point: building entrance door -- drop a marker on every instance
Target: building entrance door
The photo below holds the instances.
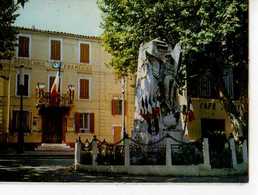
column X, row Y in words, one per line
column 53, row 122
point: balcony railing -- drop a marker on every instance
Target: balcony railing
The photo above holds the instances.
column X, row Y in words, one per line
column 45, row 98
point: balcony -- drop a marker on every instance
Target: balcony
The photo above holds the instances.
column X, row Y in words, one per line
column 60, row 100
column 45, row 99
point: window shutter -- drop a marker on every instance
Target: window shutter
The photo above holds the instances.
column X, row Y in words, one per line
column 77, row 122
column 92, row 122
column 26, row 85
column 55, row 50
column 84, row 53
column 15, row 120
column 125, row 107
column 113, row 107
column 23, row 46
column 84, row 89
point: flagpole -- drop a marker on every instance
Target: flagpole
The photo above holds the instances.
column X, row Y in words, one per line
column 59, row 77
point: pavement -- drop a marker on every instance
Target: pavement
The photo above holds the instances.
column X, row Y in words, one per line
column 39, row 166
column 54, row 169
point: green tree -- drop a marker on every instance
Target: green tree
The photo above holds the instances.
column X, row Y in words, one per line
column 8, row 15
column 212, row 33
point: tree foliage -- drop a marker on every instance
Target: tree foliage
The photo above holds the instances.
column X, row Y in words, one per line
column 8, row 15
column 212, row 33
column 210, row 29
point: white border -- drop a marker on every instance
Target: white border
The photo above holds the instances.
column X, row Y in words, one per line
column 79, row 52
column 17, row 47
column 90, row 88
column 16, row 87
column 49, row 49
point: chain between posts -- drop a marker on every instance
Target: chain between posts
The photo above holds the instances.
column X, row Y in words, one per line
column 104, row 142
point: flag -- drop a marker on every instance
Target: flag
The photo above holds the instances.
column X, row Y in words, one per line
column 55, row 86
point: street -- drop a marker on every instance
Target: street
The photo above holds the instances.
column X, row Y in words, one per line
column 61, row 170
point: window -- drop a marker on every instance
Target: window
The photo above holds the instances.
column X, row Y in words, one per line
column 26, row 85
column 84, row 89
column 55, row 49
column 84, row 53
column 84, row 122
column 116, row 106
column 26, row 118
column 24, row 46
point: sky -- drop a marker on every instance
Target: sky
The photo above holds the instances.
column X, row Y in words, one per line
column 72, row 16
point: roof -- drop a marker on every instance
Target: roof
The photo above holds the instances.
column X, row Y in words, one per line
column 95, row 38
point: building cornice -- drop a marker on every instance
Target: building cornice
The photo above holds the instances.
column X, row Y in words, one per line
column 58, row 33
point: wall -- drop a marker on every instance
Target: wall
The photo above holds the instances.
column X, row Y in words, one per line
column 203, row 108
column 104, row 85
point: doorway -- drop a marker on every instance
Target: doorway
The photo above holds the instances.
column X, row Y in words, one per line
column 53, row 125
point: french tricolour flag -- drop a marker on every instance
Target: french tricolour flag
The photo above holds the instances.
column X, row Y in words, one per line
column 55, row 86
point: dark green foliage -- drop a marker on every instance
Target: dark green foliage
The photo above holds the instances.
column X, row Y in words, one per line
column 212, row 33
column 8, row 14
column 209, row 30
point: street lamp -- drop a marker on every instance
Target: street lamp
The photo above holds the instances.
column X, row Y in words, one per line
column 123, row 106
column 20, row 146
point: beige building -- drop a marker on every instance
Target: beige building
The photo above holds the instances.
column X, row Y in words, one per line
column 90, row 93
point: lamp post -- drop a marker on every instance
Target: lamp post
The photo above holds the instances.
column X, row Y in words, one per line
column 20, row 145
column 123, row 106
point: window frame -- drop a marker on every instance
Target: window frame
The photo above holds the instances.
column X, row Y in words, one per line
column 79, row 52
column 49, row 49
column 119, row 100
column 90, row 88
column 16, row 85
column 29, row 119
column 17, row 48
column 83, row 129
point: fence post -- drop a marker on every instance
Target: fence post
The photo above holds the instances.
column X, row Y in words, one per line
column 206, row 153
column 233, row 152
column 168, row 152
column 77, row 154
column 245, row 153
column 94, row 151
column 127, row 152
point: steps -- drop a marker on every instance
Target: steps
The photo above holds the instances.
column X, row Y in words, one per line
column 49, row 147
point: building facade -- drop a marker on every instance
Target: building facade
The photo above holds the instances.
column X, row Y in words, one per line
column 89, row 101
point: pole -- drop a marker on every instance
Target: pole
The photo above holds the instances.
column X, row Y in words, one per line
column 20, row 148
column 59, row 84
column 123, row 107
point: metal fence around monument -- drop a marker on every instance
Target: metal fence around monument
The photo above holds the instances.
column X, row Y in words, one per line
column 110, row 154
column 152, row 153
